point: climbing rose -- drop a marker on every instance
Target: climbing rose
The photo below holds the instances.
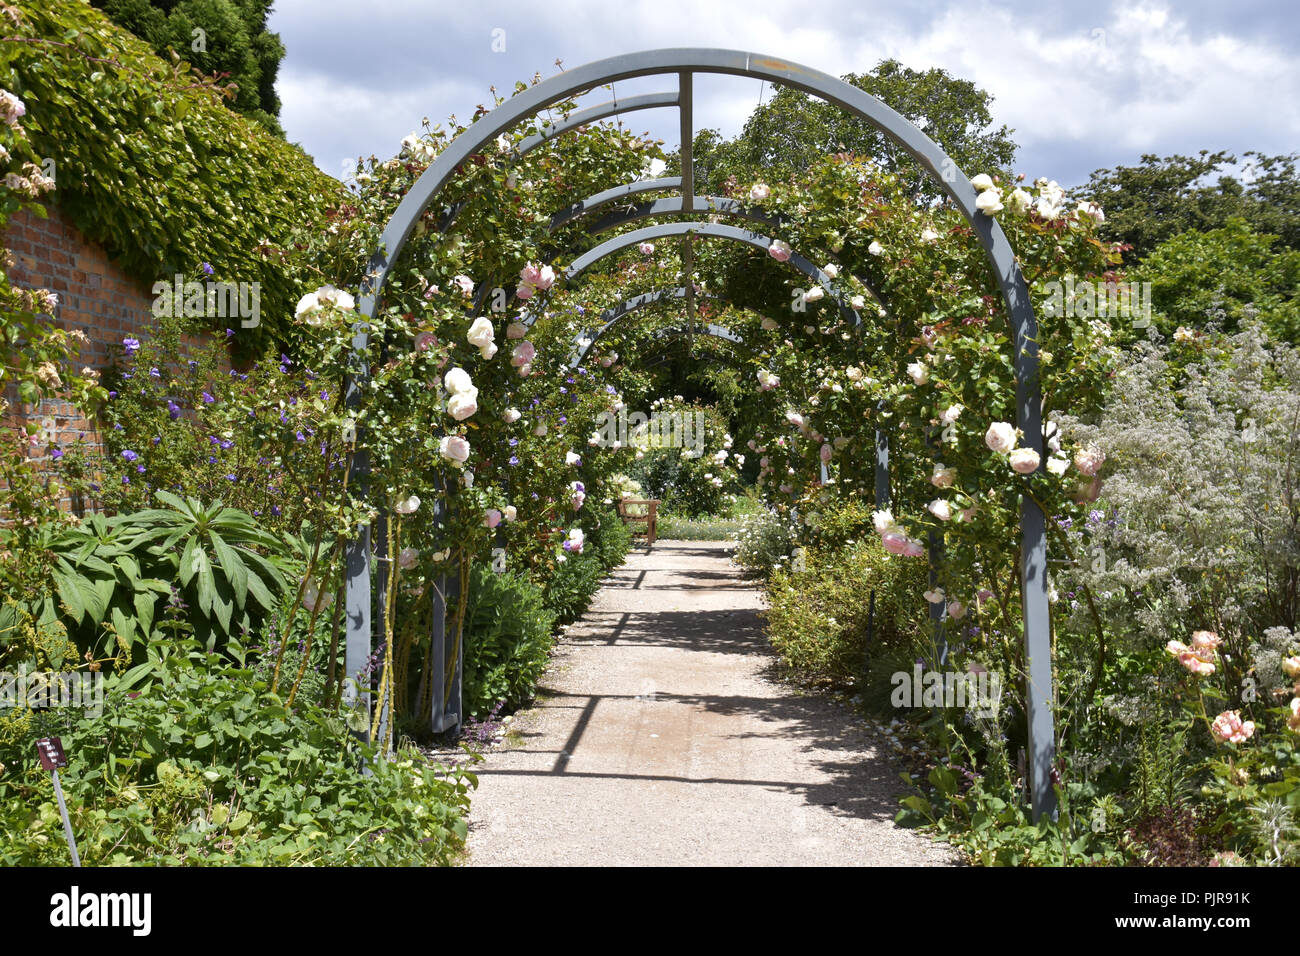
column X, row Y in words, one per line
column 328, row 295
column 424, row 341
column 928, row 235
column 1293, row 718
column 572, row 459
column 1000, row 437
column 1291, row 666
column 491, row 518
column 831, row 270
column 406, row 558
column 858, row 302
column 1199, row 661
column 454, row 448
column 875, row 248
column 1057, row 465
column 779, row 250
column 457, row 380
column 913, row 548
column 465, row 283
column 12, row 109
column 1228, row 727
column 943, row 476
column 894, row 542
column 516, row 330
column 534, row 279
column 759, row 192
column 523, row 354
column 481, row 334
column 956, row 610
column 766, row 380
column 462, row 405
column 313, row 599
column 511, row 415
column 935, row 596
column 825, row 453
column 1091, row 209
column 1024, row 461
column 769, row 324
column 815, row 294
column 1089, row 461
column 989, row 202
column 951, row 414
column 574, row 541
column 1019, row 201
column 647, row 248
column 982, row 182
column 407, row 505
column 941, row 509
column 920, row 374
column 795, row 419
column 510, row 513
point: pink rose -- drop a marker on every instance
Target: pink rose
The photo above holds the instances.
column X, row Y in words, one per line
column 1228, row 727
column 894, row 542
column 1088, row 461
column 1024, row 461
column 523, row 354
column 825, row 453
column 779, row 250
column 491, row 518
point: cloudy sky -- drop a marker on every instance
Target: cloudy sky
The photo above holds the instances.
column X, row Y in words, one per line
column 1083, row 85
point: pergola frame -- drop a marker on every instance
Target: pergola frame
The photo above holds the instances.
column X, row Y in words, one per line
column 684, row 63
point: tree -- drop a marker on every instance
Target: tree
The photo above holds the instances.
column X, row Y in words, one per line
column 223, row 37
column 1161, row 198
column 1217, row 276
column 790, row 132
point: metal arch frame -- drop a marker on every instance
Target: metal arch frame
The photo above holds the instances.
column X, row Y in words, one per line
column 685, row 62
column 711, row 230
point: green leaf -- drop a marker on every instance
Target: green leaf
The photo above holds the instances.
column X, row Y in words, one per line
column 233, row 567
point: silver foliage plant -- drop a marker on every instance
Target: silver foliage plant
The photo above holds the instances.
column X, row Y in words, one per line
column 1197, row 526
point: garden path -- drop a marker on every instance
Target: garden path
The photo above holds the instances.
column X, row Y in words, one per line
column 661, row 737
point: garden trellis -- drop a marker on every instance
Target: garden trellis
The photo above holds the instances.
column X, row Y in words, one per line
column 684, row 64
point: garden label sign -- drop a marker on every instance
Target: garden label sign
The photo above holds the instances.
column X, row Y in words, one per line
column 52, row 757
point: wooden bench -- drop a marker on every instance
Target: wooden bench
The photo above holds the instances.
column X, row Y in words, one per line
column 648, row 518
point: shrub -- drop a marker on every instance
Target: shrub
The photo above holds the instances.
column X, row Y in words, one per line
column 507, row 640
column 765, row 539
column 204, row 766
column 821, row 619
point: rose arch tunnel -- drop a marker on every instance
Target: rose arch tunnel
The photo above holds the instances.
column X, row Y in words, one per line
column 681, row 66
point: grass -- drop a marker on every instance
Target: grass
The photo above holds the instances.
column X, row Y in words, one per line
column 723, row 527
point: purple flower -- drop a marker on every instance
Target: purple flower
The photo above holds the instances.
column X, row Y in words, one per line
column 514, row 442
column 131, row 345
column 231, row 478
column 157, row 440
column 140, row 469
column 212, row 459
column 230, row 333
column 192, row 364
column 56, row 453
column 129, row 455
column 207, row 268
column 173, row 410
column 564, row 419
column 112, row 394
column 208, row 399
column 514, row 460
column 275, row 510
column 300, row 436
column 126, row 480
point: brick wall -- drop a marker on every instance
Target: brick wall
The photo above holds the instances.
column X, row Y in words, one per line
column 95, row 296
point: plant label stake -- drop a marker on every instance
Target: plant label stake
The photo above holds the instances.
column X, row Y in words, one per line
column 50, row 750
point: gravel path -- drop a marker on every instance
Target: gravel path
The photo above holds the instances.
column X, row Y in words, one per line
column 659, row 738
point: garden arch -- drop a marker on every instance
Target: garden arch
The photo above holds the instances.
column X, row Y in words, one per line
column 684, row 63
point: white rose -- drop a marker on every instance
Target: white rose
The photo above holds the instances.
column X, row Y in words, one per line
column 759, row 192
column 457, row 380
column 941, row 509
column 920, row 374
column 831, row 270
column 462, row 405
column 1001, row 437
column 982, row 182
column 815, row 294
column 1024, row 461
column 990, row 202
column 875, row 248
column 858, row 302
column 481, row 334
column 511, row 415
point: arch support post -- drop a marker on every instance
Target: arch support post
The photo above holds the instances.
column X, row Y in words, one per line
column 1039, row 688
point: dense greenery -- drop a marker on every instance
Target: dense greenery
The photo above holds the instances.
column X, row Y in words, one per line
column 227, row 39
column 150, row 163
column 1161, row 197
